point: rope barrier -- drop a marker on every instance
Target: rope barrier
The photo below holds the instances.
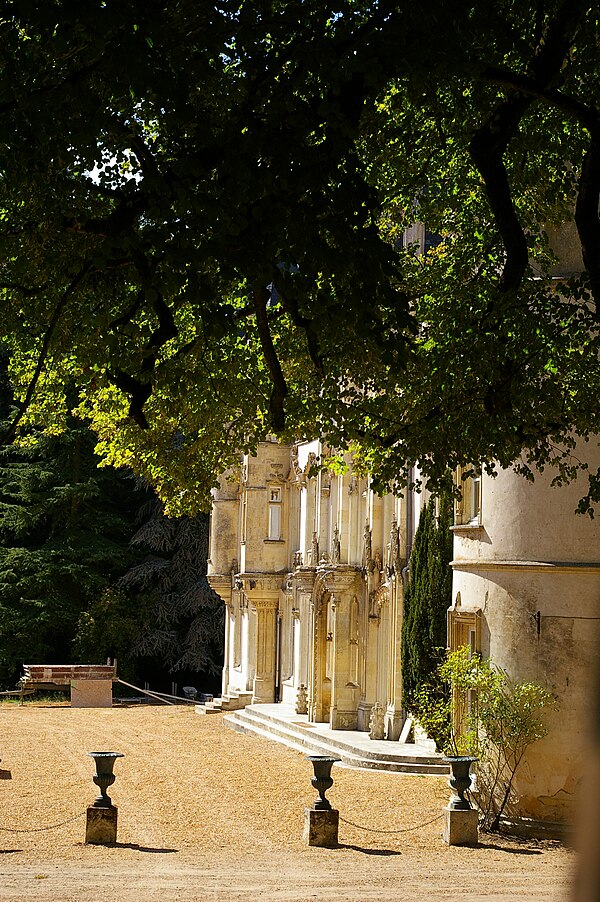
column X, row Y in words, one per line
column 42, row 829
column 403, row 830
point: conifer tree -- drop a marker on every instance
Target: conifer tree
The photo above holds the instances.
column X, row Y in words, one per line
column 427, row 597
column 181, row 617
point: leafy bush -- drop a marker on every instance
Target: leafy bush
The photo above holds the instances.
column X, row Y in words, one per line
column 472, row 708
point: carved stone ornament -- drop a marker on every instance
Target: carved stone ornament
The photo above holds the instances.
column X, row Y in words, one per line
column 335, row 547
column 394, row 543
column 377, row 722
column 314, row 553
column 373, row 606
column 297, row 561
column 325, row 482
column 377, row 599
column 294, row 464
column 353, row 486
column 311, row 463
column 302, row 700
column 367, row 550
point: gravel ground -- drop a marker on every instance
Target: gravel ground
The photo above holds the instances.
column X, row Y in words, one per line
column 208, row 814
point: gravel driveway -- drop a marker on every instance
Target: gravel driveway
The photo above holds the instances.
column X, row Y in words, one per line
column 208, row 814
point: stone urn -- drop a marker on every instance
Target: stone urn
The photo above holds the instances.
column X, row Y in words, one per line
column 322, row 780
column 460, row 780
column 105, row 761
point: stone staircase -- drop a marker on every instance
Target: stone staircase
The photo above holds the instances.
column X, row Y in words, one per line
column 280, row 723
column 233, row 701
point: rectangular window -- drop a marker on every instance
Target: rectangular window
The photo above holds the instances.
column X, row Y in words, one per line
column 467, row 511
column 274, row 530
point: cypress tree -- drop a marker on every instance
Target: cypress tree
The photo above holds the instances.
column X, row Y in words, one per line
column 427, row 597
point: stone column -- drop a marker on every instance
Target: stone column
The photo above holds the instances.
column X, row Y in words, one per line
column 303, row 580
column 345, row 692
column 370, row 658
column 221, row 584
column 263, row 593
column 394, row 716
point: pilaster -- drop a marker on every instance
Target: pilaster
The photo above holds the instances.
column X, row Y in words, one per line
column 263, row 592
column 345, row 691
column 394, row 715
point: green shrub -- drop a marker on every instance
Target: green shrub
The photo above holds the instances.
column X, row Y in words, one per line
column 472, row 708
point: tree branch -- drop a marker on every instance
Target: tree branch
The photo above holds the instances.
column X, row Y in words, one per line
column 588, row 116
column 586, row 213
column 279, row 391
column 290, row 306
column 490, row 142
column 139, row 393
column 10, row 432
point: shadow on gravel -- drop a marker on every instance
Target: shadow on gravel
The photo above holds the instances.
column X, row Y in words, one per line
column 5, row 774
column 510, row 849
column 138, row 848
column 9, row 851
column 369, row 851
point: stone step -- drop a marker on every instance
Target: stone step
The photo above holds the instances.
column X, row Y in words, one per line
column 298, row 737
column 410, row 752
column 233, row 701
column 245, row 697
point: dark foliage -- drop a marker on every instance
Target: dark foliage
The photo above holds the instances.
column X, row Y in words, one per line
column 181, row 617
column 426, row 599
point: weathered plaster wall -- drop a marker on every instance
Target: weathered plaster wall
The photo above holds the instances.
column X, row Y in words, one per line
column 533, row 569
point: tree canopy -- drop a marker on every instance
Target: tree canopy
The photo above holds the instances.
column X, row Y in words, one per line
column 204, row 210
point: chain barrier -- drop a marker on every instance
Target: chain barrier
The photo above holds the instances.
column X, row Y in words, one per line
column 42, row 829
column 403, row 830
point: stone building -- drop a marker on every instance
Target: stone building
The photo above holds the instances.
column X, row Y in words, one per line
column 310, row 567
column 526, row 593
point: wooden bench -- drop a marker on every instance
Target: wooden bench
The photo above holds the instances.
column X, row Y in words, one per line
column 90, row 684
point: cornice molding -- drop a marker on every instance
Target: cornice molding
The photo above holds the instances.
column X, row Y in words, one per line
column 482, row 565
column 256, row 584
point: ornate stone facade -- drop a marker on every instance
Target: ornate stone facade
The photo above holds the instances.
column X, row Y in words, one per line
column 310, row 570
column 317, row 598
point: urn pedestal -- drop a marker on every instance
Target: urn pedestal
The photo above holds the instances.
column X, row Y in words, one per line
column 101, row 822
column 321, row 821
column 321, row 828
column 101, row 826
column 460, row 823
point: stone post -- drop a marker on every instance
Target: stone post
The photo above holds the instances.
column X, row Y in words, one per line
column 460, row 828
column 101, row 825
column 321, row 828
